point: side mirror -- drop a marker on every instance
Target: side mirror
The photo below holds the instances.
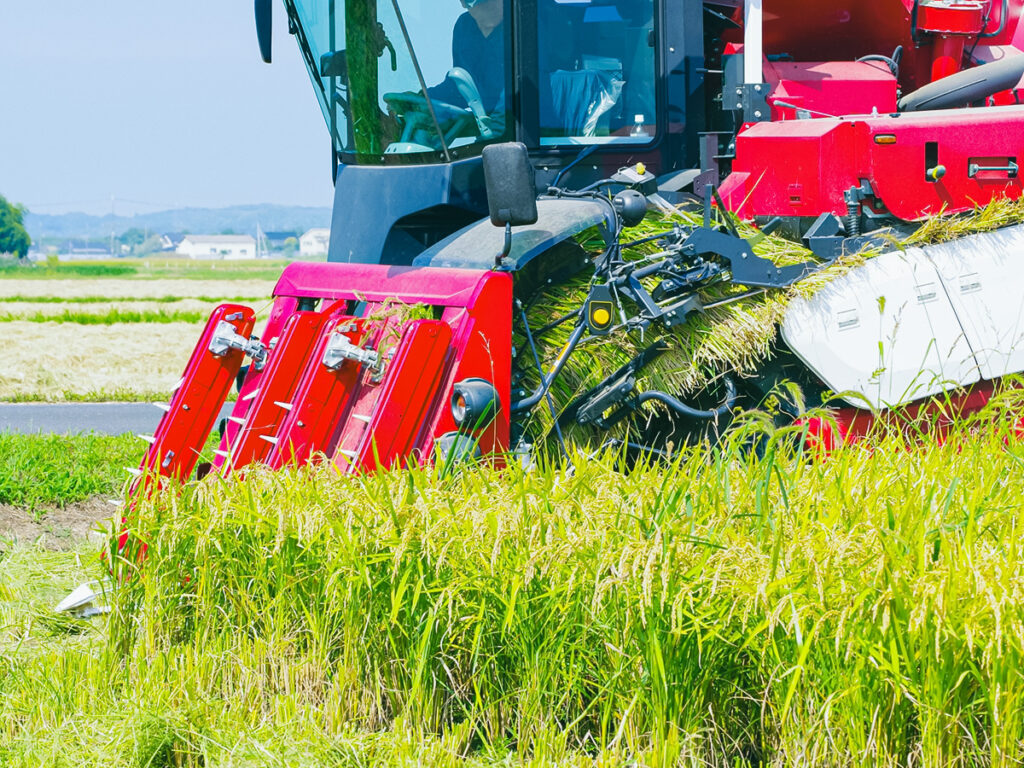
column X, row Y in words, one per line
column 511, row 185
column 334, row 64
column 264, row 27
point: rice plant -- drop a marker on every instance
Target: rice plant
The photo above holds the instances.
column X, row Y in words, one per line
column 729, row 608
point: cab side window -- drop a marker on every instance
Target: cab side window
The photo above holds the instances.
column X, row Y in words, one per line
column 597, row 71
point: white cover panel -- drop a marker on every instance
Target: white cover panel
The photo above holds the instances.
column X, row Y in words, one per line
column 984, row 278
column 885, row 331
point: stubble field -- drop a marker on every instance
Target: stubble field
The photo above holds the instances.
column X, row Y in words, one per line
column 92, row 332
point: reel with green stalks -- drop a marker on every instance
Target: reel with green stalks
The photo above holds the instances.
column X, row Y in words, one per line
column 655, row 374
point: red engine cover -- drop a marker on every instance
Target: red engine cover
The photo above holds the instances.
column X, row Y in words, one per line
column 803, row 167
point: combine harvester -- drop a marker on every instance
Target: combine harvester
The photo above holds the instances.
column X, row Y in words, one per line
column 472, row 142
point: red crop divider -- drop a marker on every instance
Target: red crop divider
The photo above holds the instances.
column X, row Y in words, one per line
column 322, row 399
column 278, row 382
column 407, row 398
column 196, row 404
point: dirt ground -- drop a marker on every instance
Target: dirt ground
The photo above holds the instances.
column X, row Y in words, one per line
column 59, row 529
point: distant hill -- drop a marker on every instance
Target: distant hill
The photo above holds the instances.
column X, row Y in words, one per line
column 242, row 219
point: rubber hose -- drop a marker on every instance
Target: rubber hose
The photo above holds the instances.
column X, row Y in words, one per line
column 966, row 87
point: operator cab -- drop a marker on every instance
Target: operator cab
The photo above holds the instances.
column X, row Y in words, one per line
column 427, row 84
column 417, row 81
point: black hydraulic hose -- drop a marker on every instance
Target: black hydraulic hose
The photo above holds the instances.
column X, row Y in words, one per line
column 682, row 408
column 547, row 394
column 560, row 321
column 1003, row 19
column 545, row 385
column 890, row 61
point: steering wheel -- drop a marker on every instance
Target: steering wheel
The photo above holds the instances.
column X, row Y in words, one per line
column 418, row 126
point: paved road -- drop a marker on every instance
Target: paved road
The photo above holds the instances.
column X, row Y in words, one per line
column 71, row 418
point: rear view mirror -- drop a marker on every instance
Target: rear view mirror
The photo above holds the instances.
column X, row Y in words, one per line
column 511, row 186
column 264, row 27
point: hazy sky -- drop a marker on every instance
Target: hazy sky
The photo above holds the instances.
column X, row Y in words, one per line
column 158, row 104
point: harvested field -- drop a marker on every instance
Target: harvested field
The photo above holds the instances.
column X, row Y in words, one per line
column 133, row 289
column 51, row 359
column 33, row 309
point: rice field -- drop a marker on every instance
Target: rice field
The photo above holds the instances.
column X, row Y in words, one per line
column 731, row 607
column 112, row 337
column 746, row 605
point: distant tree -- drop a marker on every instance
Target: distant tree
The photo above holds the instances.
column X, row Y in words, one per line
column 291, row 246
column 228, row 231
column 132, row 237
column 13, row 235
column 153, row 244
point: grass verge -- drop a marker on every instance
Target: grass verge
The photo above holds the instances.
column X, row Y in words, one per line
column 42, row 471
column 733, row 607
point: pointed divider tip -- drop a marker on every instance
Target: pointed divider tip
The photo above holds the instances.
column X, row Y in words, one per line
column 165, row 407
column 269, row 439
column 286, row 406
column 148, row 438
column 252, row 395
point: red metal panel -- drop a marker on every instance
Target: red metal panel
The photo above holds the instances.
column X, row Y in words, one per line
column 832, row 88
column 482, row 344
column 322, row 399
column 378, row 283
column 802, row 167
column 207, row 380
column 277, row 385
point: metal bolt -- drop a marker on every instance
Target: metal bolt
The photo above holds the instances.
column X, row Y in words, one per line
column 757, row 113
column 757, row 88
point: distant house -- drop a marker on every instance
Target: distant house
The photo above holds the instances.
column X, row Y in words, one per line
column 276, row 240
column 170, row 242
column 315, row 242
column 218, row 247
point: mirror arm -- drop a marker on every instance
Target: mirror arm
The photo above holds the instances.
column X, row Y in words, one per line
column 507, row 249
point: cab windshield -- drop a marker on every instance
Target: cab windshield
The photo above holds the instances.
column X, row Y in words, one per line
column 424, row 79
column 428, row 80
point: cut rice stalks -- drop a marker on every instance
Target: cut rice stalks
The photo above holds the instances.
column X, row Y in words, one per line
column 737, row 337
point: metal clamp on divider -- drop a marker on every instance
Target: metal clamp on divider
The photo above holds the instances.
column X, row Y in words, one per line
column 339, row 349
column 225, row 338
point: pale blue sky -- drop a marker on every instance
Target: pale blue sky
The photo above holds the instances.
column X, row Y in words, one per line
column 166, row 104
